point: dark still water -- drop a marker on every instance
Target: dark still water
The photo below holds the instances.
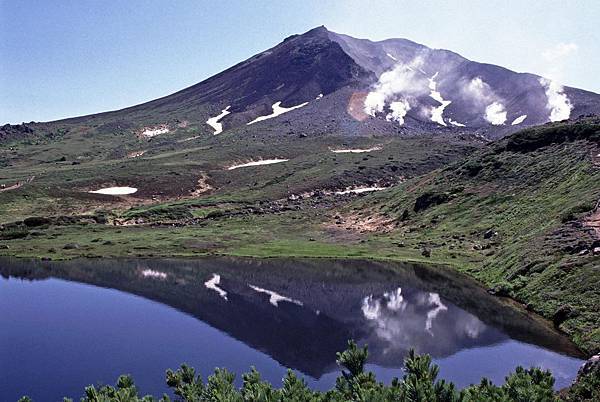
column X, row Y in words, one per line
column 66, row 325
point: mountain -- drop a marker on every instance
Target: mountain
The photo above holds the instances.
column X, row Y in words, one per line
column 326, row 310
column 326, row 147
column 334, row 82
column 413, row 72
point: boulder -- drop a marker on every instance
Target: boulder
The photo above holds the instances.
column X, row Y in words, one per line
column 489, row 234
column 591, row 365
column 429, row 199
column 71, row 246
column 564, row 313
column 36, row 221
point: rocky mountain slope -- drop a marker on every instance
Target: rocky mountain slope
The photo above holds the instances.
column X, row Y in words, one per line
column 328, row 82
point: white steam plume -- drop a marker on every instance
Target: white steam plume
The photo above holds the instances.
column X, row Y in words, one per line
column 483, row 94
column 374, row 103
column 396, row 85
column 559, row 52
column 495, row 114
column 399, row 110
column 558, row 103
column 479, row 90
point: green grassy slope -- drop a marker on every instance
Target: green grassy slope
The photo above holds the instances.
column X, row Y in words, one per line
column 525, row 207
column 517, row 215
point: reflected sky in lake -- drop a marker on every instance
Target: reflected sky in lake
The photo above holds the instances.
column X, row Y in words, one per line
column 65, row 325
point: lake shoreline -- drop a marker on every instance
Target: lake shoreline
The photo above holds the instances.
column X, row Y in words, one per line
column 450, row 269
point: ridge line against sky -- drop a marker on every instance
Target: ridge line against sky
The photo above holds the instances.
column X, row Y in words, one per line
column 70, row 58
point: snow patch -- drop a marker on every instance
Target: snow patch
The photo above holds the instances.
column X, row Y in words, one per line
column 150, row 273
column 257, row 163
column 355, row 150
column 213, row 284
column 391, row 57
column 437, row 113
column 519, row 120
column 359, row 190
column 275, row 297
column 115, row 191
column 319, row 96
column 150, row 132
column 455, row 123
column 214, row 121
column 277, row 111
column 495, row 113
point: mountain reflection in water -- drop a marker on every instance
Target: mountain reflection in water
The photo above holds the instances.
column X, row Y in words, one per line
column 301, row 312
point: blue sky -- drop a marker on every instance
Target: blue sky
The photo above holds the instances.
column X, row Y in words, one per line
column 68, row 58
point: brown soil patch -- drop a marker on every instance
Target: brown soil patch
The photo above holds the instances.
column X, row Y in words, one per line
column 202, row 187
column 355, row 224
column 136, row 154
column 356, row 106
column 17, row 185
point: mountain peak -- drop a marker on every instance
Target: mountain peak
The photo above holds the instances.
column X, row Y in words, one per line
column 438, row 90
column 320, row 32
column 319, row 29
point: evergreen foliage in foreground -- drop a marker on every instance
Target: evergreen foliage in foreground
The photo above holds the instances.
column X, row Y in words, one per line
column 419, row 383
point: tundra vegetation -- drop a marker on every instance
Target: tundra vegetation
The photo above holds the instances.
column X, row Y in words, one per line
column 519, row 214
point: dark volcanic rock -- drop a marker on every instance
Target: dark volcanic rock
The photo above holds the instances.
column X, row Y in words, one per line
column 36, row 221
column 72, row 246
column 429, row 199
column 564, row 313
column 590, row 366
column 489, row 234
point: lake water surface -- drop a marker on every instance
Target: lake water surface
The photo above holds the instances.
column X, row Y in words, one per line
column 66, row 325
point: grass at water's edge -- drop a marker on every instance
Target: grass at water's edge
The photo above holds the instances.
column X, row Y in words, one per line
column 241, row 237
column 513, row 215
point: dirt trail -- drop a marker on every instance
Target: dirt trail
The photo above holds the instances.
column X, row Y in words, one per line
column 17, row 185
